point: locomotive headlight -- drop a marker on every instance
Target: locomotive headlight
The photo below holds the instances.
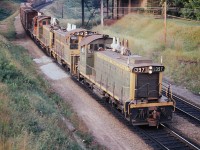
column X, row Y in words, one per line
column 150, row 69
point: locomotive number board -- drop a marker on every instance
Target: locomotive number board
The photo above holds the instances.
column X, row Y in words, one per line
column 148, row 69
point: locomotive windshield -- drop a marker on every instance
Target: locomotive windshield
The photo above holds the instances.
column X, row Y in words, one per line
column 74, row 42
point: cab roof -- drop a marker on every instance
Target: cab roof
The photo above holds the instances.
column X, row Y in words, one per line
column 88, row 39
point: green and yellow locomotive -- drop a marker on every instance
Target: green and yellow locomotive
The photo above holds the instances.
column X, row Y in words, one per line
column 130, row 82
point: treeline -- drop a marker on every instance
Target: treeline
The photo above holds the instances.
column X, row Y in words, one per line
column 185, row 8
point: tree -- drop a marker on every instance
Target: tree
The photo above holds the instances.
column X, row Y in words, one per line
column 188, row 8
column 191, row 9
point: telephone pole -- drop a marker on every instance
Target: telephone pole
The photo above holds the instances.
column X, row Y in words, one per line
column 102, row 23
column 165, row 22
column 83, row 15
column 62, row 9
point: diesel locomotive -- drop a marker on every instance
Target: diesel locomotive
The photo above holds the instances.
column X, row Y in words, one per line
column 131, row 83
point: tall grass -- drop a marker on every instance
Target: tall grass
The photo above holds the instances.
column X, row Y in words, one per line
column 28, row 108
column 181, row 54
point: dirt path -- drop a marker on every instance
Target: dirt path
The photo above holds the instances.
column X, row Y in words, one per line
column 106, row 129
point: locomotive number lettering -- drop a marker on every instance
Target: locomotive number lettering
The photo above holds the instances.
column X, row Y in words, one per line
column 158, row 69
column 141, row 69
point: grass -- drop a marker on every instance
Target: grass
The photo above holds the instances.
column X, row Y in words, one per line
column 32, row 116
column 181, row 55
column 30, row 110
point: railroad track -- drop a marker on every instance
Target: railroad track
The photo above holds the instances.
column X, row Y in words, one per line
column 162, row 138
column 186, row 109
column 169, row 139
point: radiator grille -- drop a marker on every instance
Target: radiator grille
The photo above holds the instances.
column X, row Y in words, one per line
column 147, row 85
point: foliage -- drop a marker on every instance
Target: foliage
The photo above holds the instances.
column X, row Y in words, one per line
column 188, row 8
column 191, row 9
column 4, row 13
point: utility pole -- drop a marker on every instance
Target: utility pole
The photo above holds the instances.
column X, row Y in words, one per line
column 165, row 22
column 107, row 8
column 83, row 15
column 62, row 9
column 102, row 23
column 129, row 6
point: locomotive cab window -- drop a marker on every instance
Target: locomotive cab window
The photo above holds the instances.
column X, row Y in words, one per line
column 74, row 39
column 95, row 47
column 91, row 46
column 44, row 23
column 73, row 42
column 101, row 45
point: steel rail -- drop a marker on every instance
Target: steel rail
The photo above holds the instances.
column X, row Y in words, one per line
column 180, row 137
column 188, row 114
column 190, row 110
column 168, row 138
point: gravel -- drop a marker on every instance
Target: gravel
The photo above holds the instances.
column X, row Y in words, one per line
column 53, row 71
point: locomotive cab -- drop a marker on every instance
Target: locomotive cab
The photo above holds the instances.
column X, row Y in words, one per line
column 38, row 23
column 88, row 47
column 73, row 40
